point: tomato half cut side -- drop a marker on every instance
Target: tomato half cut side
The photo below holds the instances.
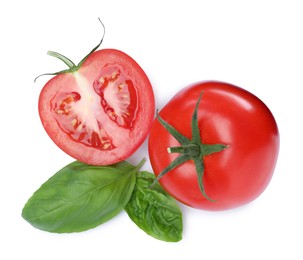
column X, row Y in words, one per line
column 101, row 113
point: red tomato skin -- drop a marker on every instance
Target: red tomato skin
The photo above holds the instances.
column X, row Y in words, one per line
column 126, row 141
column 227, row 115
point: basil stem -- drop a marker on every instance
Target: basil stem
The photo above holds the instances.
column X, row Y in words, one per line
column 80, row 197
column 154, row 211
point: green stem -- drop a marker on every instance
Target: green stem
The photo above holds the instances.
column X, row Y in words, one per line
column 192, row 150
column 175, row 149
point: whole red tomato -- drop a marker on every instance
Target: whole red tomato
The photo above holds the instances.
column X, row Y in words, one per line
column 216, row 151
column 99, row 111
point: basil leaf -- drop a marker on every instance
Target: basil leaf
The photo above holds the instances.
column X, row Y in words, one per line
column 154, row 210
column 80, row 197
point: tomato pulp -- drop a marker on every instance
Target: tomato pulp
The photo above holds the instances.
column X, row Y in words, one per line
column 228, row 116
column 101, row 112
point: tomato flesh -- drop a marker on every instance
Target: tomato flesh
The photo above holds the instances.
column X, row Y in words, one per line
column 101, row 113
column 118, row 95
column 69, row 111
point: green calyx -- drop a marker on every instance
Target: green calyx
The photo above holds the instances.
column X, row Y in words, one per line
column 72, row 67
column 190, row 149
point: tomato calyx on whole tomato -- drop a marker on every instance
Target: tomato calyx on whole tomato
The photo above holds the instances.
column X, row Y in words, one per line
column 190, row 149
column 227, row 115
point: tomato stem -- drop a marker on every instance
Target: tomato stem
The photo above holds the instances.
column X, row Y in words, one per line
column 192, row 150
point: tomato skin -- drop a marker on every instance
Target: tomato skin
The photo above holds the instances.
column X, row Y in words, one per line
column 119, row 138
column 227, row 115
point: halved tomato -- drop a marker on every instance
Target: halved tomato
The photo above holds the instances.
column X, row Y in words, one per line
column 100, row 111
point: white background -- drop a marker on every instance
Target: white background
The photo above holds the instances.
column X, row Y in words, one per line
column 257, row 45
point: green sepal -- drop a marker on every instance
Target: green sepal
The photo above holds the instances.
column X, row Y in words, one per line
column 208, row 149
column 200, row 172
column 196, row 137
column 174, row 132
column 178, row 161
column 95, row 48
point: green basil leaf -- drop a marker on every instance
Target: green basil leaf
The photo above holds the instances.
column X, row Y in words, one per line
column 154, row 210
column 80, row 197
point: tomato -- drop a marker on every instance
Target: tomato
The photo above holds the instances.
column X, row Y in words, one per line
column 100, row 111
column 216, row 151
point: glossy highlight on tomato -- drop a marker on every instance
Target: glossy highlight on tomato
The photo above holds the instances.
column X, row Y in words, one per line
column 239, row 128
column 101, row 111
